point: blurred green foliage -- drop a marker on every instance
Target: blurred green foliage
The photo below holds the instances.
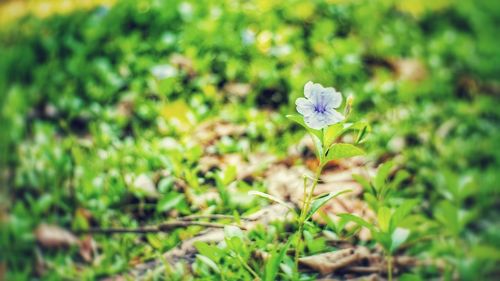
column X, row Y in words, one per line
column 83, row 114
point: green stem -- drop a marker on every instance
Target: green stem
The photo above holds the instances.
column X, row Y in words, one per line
column 299, row 245
column 247, row 267
column 221, row 274
column 305, row 210
column 301, row 227
column 389, row 268
column 311, row 192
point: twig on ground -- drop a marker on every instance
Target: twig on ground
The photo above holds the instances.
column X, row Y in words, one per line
column 164, row 227
column 364, row 269
column 212, row 217
column 329, row 262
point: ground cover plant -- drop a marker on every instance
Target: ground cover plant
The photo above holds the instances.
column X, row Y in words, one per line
column 183, row 140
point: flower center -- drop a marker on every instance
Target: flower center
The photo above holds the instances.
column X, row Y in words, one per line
column 320, row 108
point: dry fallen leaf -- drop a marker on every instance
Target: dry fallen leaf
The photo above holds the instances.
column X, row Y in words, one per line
column 239, row 90
column 409, row 69
column 40, row 265
column 125, row 107
column 145, row 184
column 248, row 169
column 51, row 236
column 88, row 248
column 183, row 63
column 208, row 132
column 202, row 200
column 286, row 183
column 330, row 262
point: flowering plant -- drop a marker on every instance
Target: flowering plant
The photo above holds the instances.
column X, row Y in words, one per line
column 325, row 125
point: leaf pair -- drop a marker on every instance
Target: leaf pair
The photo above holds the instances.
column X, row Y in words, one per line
column 389, row 234
column 334, row 131
column 321, row 200
column 210, row 255
column 323, row 140
column 317, row 203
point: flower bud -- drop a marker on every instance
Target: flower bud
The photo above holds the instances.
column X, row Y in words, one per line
column 348, row 106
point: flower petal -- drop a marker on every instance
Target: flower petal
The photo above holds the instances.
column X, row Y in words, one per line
column 316, row 121
column 304, row 106
column 307, row 89
column 318, row 95
column 334, row 98
column 313, row 89
column 333, row 117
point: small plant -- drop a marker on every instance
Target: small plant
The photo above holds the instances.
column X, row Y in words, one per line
column 234, row 250
column 325, row 125
column 388, row 231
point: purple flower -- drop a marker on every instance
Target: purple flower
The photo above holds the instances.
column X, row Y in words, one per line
column 318, row 108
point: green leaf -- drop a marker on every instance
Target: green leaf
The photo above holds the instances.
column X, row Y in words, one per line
column 332, row 133
column 322, row 200
column 487, row 252
column 316, row 135
column 401, row 175
column 237, row 245
column 154, row 241
column 398, row 237
column 384, row 218
column 363, row 181
column 166, row 184
column 231, row 231
column 229, row 175
column 336, row 130
column 234, row 239
column 270, row 197
column 320, row 152
column 169, row 201
column 371, row 200
column 343, row 150
column 382, row 175
column 210, row 263
column 384, row 239
column 410, row 277
column 300, row 120
column 358, row 220
column 402, row 212
column 448, row 214
column 273, row 263
column 360, row 125
column 361, row 135
column 212, row 252
column 191, row 177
